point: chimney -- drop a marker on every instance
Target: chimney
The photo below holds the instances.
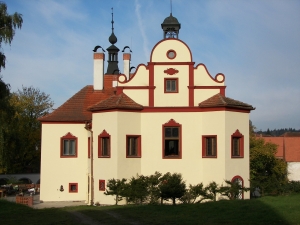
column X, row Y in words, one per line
column 98, row 70
column 126, row 63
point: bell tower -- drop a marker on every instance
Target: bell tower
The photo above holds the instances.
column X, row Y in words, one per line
column 170, row 27
column 112, row 67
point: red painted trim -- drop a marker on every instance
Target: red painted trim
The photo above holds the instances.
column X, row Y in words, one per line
column 63, row 122
column 151, row 83
column 172, row 123
column 139, row 150
column 101, row 185
column 204, row 146
column 136, row 87
column 214, row 79
column 191, row 109
column 171, row 50
column 207, row 87
column 171, row 71
column 70, row 187
column 165, row 86
column 89, row 147
column 167, row 40
column 191, row 83
column 170, row 63
column 68, row 136
column 237, row 134
column 239, row 177
column 104, row 134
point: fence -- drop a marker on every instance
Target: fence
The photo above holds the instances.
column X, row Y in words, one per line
column 27, row 200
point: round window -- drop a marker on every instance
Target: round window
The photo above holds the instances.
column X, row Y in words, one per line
column 171, row 54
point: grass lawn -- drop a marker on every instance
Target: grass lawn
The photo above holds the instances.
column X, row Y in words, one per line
column 267, row 210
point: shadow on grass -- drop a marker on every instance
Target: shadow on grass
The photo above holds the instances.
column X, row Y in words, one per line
column 268, row 210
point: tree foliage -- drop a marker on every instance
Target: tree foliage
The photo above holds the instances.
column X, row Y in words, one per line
column 266, row 171
column 8, row 25
column 22, row 135
column 116, row 187
column 172, row 187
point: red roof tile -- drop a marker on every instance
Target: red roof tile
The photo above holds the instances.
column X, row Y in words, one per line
column 76, row 108
column 292, row 149
column 121, row 101
column 278, row 141
column 291, row 134
column 219, row 100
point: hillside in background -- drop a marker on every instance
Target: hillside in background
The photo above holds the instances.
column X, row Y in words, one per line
column 278, row 132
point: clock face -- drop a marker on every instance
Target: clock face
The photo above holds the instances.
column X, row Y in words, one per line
column 171, row 54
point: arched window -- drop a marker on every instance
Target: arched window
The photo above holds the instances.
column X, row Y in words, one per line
column 239, row 183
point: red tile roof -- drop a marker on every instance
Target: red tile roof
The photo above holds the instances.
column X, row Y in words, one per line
column 288, row 147
column 121, row 101
column 76, row 108
column 291, row 134
column 219, row 100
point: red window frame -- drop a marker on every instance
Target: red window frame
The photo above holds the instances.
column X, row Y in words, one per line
column 165, row 85
column 101, row 185
column 240, row 137
column 71, row 185
column 204, row 146
column 172, row 124
column 101, row 137
column 68, row 137
column 138, row 146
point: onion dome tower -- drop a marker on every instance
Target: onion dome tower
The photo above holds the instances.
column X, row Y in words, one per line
column 112, row 67
column 170, row 27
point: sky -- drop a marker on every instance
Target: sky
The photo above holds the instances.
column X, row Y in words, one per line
column 255, row 44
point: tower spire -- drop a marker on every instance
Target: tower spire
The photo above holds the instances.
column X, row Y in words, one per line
column 112, row 20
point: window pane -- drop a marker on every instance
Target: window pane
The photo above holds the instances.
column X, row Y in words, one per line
column 175, row 132
column 66, row 147
column 72, row 147
column 171, row 147
column 132, row 146
column 105, row 146
column 168, row 85
column 236, row 146
column 173, row 87
column 211, row 146
column 168, row 132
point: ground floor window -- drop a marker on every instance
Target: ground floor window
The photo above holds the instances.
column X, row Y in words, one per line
column 73, row 187
column 101, row 185
column 171, row 140
column 133, row 146
column 240, row 183
column 209, row 146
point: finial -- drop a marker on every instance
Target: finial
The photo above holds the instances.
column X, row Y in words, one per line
column 171, row 6
column 112, row 19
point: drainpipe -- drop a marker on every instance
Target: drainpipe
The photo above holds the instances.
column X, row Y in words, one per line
column 88, row 127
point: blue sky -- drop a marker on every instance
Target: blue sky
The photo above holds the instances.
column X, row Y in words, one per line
column 256, row 44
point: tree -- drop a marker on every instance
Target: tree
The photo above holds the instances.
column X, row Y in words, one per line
column 233, row 189
column 22, row 146
column 116, row 187
column 8, row 25
column 213, row 189
column 195, row 192
column 172, row 187
column 137, row 189
column 153, row 188
column 266, row 171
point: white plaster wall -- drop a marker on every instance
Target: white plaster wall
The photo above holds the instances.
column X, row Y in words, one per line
column 294, row 171
column 140, row 96
column 202, row 78
column 141, row 77
column 56, row 171
column 171, row 99
column 238, row 166
column 160, row 52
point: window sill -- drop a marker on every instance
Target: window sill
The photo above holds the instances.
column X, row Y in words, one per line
column 237, row 157
column 210, row 157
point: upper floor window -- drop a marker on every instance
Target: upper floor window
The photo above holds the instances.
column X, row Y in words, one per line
column 68, row 146
column 171, row 85
column 237, row 145
column 172, row 140
column 209, row 146
column 104, row 145
column 133, row 146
